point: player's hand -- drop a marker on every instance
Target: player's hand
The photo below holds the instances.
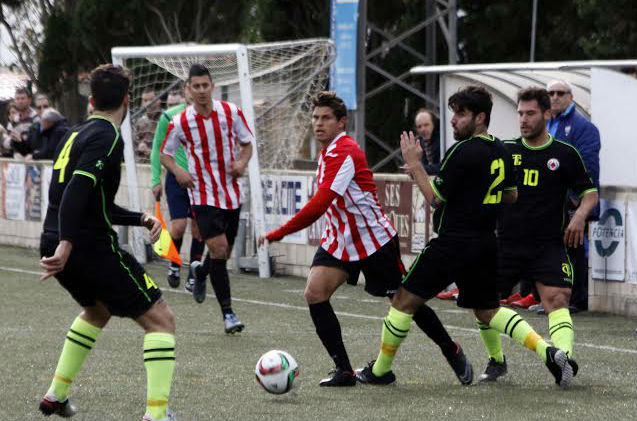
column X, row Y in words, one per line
column 153, row 225
column 237, row 169
column 56, row 263
column 184, row 179
column 411, row 149
column 574, row 234
column 157, row 192
column 261, row 240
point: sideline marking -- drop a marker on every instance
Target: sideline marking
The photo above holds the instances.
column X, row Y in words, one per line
column 339, row 313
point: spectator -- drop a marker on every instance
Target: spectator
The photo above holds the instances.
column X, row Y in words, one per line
column 13, row 117
column 43, row 136
column 53, row 128
column 26, row 115
column 175, row 98
column 569, row 125
column 41, row 104
column 146, row 124
column 429, row 137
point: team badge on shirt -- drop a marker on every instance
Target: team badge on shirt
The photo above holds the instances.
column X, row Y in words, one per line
column 553, row 164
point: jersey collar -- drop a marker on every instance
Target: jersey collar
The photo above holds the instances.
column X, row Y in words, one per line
column 332, row 144
column 101, row 117
column 536, row 148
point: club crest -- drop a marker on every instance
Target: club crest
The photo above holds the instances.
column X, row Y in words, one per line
column 553, row 164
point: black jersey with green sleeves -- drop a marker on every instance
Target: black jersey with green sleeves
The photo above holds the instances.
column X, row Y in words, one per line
column 544, row 175
column 473, row 176
column 93, row 149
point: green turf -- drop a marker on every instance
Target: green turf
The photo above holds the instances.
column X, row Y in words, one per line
column 214, row 377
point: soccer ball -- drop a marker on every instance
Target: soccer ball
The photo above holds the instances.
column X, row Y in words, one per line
column 276, row 371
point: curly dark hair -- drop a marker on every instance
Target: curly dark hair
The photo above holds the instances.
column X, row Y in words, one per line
column 330, row 99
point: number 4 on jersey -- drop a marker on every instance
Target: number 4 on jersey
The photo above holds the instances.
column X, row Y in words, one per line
column 63, row 159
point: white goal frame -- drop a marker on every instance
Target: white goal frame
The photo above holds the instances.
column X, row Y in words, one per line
column 119, row 54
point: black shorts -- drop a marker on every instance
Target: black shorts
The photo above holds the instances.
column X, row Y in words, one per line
column 214, row 221
column 546, row 262
column 177, row 198
column 471, row 264
column 96, row 271
column 383, row 270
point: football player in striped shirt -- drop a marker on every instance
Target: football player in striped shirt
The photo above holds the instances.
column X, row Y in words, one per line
column 358, row 237
column 218, row 145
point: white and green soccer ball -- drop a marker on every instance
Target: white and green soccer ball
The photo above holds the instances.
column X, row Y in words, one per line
column 276, row 371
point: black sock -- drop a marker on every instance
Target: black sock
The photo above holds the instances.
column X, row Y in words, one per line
column 196, row 250
column 220, row 283
column 329, row 330
column 428, row 321
column 177, row 242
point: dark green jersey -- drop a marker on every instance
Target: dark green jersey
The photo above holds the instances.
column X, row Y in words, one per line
column 473, row 176
column 544, row 175
column 86, row 176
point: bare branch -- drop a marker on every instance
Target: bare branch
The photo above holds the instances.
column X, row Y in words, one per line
column 162, row 21
column 16, row 48
column 150, row 37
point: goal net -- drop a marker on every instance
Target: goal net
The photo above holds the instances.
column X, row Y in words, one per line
column 272, row 82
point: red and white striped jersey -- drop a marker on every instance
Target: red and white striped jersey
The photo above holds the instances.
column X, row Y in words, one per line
column 210, row 143
column 356, row 225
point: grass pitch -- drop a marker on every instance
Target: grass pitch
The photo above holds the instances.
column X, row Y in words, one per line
column 214, row 376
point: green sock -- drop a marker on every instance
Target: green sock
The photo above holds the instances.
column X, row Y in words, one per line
column 79, row 341
column 159, row 359
column 492, row 342
column 511, row 323
column 395, row 329
column 561, row 330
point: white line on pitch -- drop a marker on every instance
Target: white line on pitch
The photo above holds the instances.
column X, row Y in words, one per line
column 340, row 313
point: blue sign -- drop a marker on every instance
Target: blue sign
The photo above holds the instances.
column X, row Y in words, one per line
column 343, row 32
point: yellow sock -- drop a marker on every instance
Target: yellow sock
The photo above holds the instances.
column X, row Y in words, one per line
column 159, row 359
column 561, row 330
column 79, row 341
column 511, row 323
column 492, row 342
column 395, row 329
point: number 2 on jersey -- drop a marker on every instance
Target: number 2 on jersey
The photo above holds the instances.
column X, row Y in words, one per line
column 63, row 159
column 497, row 165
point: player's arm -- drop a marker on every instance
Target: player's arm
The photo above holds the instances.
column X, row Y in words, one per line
column 309, row 214
column 246, row 139
column 168, row 151
column 580, row 182
column 412, row 154
column 155, row 165
column 510, row 192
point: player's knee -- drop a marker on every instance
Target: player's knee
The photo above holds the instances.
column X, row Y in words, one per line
column 313, row 294
column 485, row 316
column 559, row 299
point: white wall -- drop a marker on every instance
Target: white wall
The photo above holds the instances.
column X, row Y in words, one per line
column 614, row 112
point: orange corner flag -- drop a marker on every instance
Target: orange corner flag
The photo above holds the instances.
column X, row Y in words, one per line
column 164, row 247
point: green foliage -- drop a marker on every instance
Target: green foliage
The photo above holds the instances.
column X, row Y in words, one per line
column 279, row 20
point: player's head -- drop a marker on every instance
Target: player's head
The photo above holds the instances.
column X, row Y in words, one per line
column 471, row 108
column 534, row 109
column 200, row 84
column 109, row 88
column 561, row 95
column 425, row 122
column 329, row 116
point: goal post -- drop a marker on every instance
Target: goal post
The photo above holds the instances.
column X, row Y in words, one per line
column 271, row 82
